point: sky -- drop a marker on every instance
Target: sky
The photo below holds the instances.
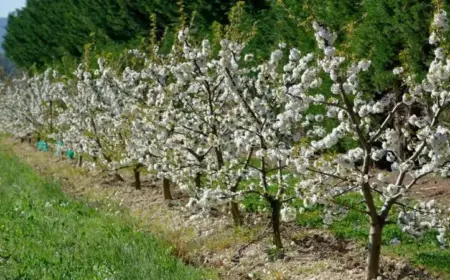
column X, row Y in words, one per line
column 8, row 6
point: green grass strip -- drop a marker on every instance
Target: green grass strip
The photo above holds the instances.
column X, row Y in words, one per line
column 46, row 235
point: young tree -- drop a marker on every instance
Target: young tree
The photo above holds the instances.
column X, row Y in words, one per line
column 152, row 119
column 264, row 124
column 30, row 105
column 95, row 122
column 327, row 175
column 204, row 119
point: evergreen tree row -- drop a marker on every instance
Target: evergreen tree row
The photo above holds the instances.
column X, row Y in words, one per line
column 46, row 32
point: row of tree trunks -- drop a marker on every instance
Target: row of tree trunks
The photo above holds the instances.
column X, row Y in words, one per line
column 137, row 174
column 165, row 184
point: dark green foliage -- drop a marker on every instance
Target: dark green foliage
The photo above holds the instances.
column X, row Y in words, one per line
column 387, row 32
column 45, row 31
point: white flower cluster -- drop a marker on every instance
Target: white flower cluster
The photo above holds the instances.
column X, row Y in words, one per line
column 423, row 217
column 440, row 24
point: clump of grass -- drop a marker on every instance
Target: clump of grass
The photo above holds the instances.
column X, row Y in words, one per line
column 46, row 235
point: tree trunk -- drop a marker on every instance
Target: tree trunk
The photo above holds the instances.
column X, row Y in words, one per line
column 234, row 207
column 373, row 260
column 276, row 217
column 51, row 116
column 80, row 161
column 398, row 123
column 137, row 179
column 198, row 180
column 236, row 214
column 166, row 189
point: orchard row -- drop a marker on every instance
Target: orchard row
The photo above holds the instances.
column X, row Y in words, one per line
column 222, row 126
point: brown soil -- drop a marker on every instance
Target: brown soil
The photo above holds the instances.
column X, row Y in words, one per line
column 208, row 238
column 430, row 187
column 433, row 188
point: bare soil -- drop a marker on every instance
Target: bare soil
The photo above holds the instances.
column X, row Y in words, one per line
column 208, row 238
column 433, row 188
column 429, row 187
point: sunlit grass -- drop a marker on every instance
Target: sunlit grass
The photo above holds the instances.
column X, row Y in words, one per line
column 46, row 235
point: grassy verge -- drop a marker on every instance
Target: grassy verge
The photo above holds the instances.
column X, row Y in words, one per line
column 46, row 235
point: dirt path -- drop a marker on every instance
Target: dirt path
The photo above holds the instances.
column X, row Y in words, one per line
column 209, row 239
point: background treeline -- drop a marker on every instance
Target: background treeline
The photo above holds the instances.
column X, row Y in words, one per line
column 45, row 31
column 55, row 33
column 6, row 66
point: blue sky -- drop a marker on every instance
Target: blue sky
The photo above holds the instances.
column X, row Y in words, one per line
column 8, row 6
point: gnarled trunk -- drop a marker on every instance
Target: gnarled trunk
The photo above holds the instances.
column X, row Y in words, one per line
column 137, row 178
column 198, row 180
column 166, row 189
column 373, row 260
column 276, row 219
column 236, row 214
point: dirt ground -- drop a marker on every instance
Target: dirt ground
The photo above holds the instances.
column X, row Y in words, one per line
column 208, row 239
column 433, row 188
